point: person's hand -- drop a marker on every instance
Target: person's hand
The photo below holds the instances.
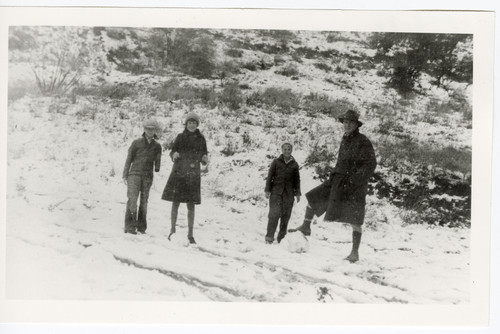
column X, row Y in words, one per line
column 298, row 198
column 204, row 159
column 268, row 194
column 125, row 180
column 175, row 156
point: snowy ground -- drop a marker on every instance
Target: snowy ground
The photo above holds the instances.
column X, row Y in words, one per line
column 65, row 240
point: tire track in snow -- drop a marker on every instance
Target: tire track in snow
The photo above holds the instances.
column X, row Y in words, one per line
column 290, row 276
column 294, row 277
column 206, row 287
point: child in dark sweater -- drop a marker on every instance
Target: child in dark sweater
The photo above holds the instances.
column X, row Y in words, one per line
column 282, row 185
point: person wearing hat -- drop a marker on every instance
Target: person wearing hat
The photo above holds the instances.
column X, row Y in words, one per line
column 342, row 198
column 144, row 155
column 183, row 185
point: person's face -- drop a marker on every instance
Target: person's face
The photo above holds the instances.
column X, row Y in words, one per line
column 349, row 126
column 150, row 132
column 287, row 151
column 191, row 125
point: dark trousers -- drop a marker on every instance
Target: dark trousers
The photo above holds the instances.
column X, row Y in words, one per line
column 280, row 209
column 137, row 185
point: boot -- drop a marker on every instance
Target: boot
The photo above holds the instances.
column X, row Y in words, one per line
column 356, row 241
column 191, row 223
column 305, row 228
column 130, row 223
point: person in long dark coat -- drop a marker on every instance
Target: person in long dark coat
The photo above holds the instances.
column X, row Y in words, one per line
column 144, row 156
column 282, row 185
column 342, row 198
column 183, row 185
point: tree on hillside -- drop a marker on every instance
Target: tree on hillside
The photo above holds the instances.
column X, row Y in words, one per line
column 443, row 56
column 192, row 52
column 22, row 38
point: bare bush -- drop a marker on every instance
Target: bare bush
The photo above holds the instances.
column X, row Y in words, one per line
column 59, row 63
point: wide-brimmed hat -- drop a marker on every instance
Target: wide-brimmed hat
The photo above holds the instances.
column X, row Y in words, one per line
column 192, row 117
column 151, row 124
column 350, row 115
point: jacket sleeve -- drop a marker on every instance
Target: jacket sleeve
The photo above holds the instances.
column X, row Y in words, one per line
column 158, row 158
column 175, row 147
column 270, row 176
column 203, row 148
column 130, row 157
column 297, row 182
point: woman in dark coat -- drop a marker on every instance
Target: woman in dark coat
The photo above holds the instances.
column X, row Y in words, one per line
column 183, row 185
column 342, row 197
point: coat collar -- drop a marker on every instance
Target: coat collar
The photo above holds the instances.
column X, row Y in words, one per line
column 155, row 137
column 352, row 134
column 186, row 131
column 282, row 158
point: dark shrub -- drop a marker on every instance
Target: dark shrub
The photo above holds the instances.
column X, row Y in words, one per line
column 433, row 196
column 231, row 96
column 127, row 60
column 116, row 33
column 284, row 100
column 323, row 66
column 289, row 70
column 235, row 53
column 117, row 91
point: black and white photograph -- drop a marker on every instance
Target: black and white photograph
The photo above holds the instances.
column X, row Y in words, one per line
column 264, row 164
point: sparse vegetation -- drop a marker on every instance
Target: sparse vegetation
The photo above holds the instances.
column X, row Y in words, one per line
column 283, row 100
column 323, row 66
column 170, row 71
column 289, row 70
column 231, row 96
column 235, row 53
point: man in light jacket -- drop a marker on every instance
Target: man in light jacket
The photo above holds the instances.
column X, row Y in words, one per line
column 144, row 156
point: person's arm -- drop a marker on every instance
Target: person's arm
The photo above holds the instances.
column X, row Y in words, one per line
column 204, row 151
column 297, row 184
column 128, row 162
column 270, row 177
column 174, row 153
column 158, row 159
column 366, row 163
column 297, row 181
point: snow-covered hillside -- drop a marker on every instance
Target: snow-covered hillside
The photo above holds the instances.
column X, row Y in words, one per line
column 65, row 240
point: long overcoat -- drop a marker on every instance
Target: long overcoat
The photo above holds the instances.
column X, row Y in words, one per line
column 183, row 185
column 343, row 196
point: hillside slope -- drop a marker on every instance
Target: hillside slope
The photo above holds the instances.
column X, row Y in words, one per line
column 65, row 239
column 66, row 199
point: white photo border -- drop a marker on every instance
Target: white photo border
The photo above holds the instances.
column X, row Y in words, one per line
column 475, row 313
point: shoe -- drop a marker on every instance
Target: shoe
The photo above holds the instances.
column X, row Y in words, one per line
column 141, row 232
column 131, row 232
column 269, row 240
column 191, row 240
column 305, row 230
